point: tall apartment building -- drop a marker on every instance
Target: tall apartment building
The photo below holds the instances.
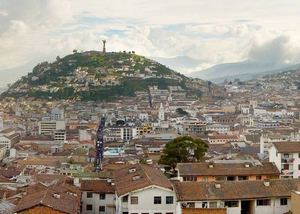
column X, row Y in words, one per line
column 286, row 156
column 49, row 127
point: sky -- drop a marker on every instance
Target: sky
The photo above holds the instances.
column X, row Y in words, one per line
column 203, row 33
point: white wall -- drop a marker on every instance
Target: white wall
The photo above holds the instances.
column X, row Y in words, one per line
column 96, row 202
column 275, row 157
column 146, row 201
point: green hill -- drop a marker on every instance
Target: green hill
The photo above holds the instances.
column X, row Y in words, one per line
column 94, row 75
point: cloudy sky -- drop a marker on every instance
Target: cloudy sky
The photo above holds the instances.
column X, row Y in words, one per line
column 203, row 32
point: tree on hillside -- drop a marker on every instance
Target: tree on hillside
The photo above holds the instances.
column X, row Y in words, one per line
column 182, row 150
column 180, row 111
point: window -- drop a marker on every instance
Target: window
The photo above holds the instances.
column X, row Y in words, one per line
column 101, row 208
column 89, row 194
column 263, row 202
column 125, row 199
column 169, row 199
column 157, row 200
column 231, row 203
column 189, row 178
column 190, row 204
column 169, row 213
column 204, row 204
column 258, row 177
column 213, row 204
column 134, row 200
column 241, row 178
column 102, row 196
column 298, row 166
column 220, row 178
column 89, row 207
column 283, row 201
column 157, row 213
column 230, row 178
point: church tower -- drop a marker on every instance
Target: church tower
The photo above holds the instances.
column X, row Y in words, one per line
column 161, row 112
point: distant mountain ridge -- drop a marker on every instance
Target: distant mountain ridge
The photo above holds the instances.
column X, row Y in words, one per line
column 245, row 70
column 93, row 75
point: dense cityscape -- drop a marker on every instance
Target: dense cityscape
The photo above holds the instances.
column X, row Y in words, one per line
column 109, row 107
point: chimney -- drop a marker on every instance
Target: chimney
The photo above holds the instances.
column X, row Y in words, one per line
column 267, row 183
column 218, row 186
column 247, row 165
column 136, row 177
column 56, row 196
column 210, row 165
column 131, row 170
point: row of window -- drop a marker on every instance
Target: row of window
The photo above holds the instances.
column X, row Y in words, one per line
column 89, row 207
column 156, row 199
column 214, row 204
column 90, row 195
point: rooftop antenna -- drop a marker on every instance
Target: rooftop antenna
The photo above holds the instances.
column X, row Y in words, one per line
column 104, row 48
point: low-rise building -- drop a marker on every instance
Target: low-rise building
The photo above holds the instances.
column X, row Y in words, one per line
column 226, row 171
column 268, row 197
column 143, row 189
column 98, row 196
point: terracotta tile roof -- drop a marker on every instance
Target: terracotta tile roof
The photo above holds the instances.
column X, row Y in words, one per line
column 145, row 176
column 99, row 186
column 234, row 190
column 65, row 203
column 286, row 147
column 43, row 160
column 203, row 169
column 10, row 172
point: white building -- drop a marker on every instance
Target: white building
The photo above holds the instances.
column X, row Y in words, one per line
column 220, row 128
column 286, row 156
column 267, row 139
column 143, row 189
column 236, row 197
column 161, row 112
column 98, row 197
column 57, row 114
column 49, row 127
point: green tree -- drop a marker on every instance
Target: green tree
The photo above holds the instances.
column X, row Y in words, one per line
column 182, row 150
column 180, row 111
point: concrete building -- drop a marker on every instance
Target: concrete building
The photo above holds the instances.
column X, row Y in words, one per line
column 286, row 156
column 194, row 127
column 226, row 171
column 237, row 197
column 98, row 197
column 49, row 127
column 143, row 189
column 57, row 114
